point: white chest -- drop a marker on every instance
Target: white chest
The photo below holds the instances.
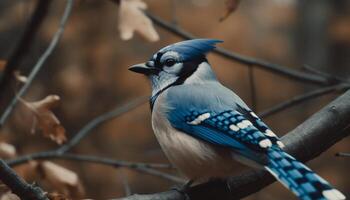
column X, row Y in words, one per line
column 195, row 158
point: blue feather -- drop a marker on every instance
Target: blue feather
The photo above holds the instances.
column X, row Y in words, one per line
column 298, row 178
column 191, row 49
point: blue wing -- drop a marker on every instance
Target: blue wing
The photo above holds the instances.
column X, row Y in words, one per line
column 220, row 120
column 216, row 115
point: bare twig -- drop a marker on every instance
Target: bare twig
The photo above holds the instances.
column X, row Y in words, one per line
column 125, row 182
column 341, row 154
column 100, row 119
column 302, row 98
column 326, row 75
column 148, row 168
column 40, row 62
column 46, row 155
column 23, row 44
column 278, row 69
column 305, row 142
column 275, row 68
column 18, row 186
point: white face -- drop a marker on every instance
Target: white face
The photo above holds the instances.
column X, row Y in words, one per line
column 173, row 70
column 170, row 66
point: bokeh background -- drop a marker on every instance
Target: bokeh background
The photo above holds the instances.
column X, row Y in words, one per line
column 88, row 70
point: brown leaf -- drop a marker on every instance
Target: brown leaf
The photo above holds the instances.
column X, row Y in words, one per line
column 20, row 77
column 2, row 65
column 9, row 196
column 56, row 196
column 62, row 179
column 46, row 120
column 132, row 19
column 231, row 6
column 28, row 171
column 7, row 150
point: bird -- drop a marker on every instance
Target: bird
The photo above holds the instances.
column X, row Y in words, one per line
column 204, row 128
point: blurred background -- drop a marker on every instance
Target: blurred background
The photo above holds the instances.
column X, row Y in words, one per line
column 88, row 71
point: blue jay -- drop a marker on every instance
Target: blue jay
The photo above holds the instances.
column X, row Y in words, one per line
column 202, row 126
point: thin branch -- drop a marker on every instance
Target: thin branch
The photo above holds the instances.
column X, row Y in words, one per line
column 25, row 41
column 46, row 155
column 302, row 98
column 341, row 154
column 326, row 75
column 305, row 142
column 40, row 62
column 100, row 119
column 18, row 186
column 124, row 179
column 148, row 168
column 163, row 175
column 274, row 68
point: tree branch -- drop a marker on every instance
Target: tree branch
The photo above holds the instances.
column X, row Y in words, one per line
column 18, row 186
column 249, row 61
column 40, row 62
column 22, row 46
column 60, row 153
column 305, row 142
column 100, row 119
column 147, row 168
column 302, row 98
column 82, row 133
column 274, row 68
column 341, row 154
column 7, row 175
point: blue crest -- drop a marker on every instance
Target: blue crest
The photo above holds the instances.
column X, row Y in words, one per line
column 190, row 49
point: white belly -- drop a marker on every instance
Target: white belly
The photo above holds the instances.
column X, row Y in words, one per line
column 194, row 158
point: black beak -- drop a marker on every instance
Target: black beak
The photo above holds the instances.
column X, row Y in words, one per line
column 144, row 68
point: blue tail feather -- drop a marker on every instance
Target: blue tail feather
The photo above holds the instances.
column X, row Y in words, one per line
column 299, row 178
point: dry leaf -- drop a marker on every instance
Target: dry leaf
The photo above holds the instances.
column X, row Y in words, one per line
column 28, row 171
column 7, row 150
column 9, row 196
column 56, row 196
column 63, row 180
column 19, row 77
column 46, row 120
column 2, row 65
column 132, row 19
column 231, row 6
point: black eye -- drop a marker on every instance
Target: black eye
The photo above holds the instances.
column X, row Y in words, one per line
column 169, row 62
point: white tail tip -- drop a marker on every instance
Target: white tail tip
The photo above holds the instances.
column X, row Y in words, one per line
column 333, row 194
